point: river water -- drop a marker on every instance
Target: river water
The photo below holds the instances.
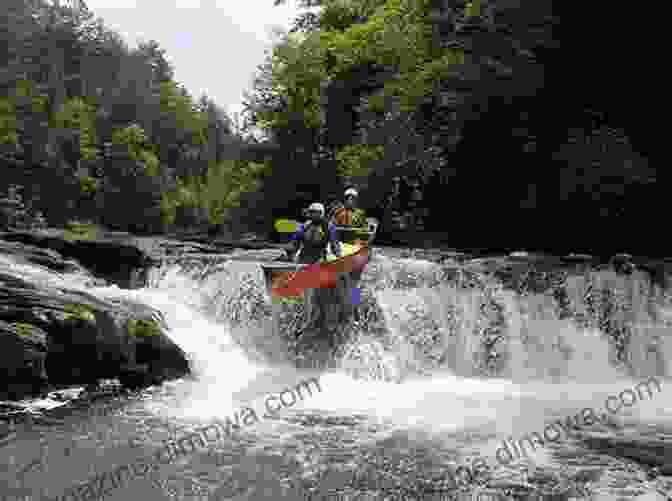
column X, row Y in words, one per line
column 394, row 408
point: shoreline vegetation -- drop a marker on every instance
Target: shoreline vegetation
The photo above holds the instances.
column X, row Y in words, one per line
column 101, row 133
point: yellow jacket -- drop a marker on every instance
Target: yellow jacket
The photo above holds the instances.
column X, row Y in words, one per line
column 350, row 217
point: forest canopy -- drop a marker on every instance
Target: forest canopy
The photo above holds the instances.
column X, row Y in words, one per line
column 472, row 105
column 127, row 145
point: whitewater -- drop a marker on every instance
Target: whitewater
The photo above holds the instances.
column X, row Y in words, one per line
column 453, row 416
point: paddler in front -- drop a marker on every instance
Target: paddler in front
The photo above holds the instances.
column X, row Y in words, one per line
column 310, row 242
column 309, row 246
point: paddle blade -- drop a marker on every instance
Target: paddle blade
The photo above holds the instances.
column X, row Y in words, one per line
column 286, row 226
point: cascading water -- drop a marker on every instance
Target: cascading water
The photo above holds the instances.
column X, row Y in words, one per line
column 448, row 365
column 434, row 338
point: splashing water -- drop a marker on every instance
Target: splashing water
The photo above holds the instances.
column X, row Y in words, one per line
column 551, row 365
column 427, row 338
column 549, row 360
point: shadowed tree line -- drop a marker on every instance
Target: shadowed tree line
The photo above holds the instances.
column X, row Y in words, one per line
column 493, row 123
column 499, row 124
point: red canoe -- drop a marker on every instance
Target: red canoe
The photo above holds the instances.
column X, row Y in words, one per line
column 290, row 280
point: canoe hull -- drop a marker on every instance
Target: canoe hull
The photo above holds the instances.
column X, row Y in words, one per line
column 291, row 280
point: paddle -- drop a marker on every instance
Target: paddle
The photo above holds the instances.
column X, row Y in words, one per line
column 286, row 226
column 291, row 226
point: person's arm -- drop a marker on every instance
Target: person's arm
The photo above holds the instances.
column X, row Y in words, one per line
column 333, row 209
column 295, row 241
column 333, row 241
column 337, row 216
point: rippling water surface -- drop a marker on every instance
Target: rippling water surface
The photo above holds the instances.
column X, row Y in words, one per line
column 391, row 434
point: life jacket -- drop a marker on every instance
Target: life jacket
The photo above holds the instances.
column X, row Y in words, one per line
column 315, row 241
column 315, row 235
column 349, row 217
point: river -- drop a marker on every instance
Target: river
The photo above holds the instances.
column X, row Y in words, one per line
column 389, row 417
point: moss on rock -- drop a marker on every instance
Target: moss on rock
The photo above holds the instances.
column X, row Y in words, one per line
column 79, row 312
column 143, row 327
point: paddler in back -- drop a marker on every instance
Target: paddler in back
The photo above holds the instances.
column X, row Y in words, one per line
column 349, row 214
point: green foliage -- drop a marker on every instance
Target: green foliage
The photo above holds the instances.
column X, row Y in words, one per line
column 472, row 9
column 412, row 87
column 393, row 34
column 133, row 136
column 338, row 15
column 150, row 161
column 79, row 312
column 396, row 34
column 75, row 230
column 298, row 67
column 39, row 103
column 8, row 122
column 24, row 329
column 168, row 208
column 355, row 160
column 178, row 107
column 69, row 86
column 88, row 185
column 221, row 190
column 23, row 90
column 77, row 115
column 142, row 328
column 238, row 176
column 139, row 149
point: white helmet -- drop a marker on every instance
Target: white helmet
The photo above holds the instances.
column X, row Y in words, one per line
column 317, row 207
column 351, row 191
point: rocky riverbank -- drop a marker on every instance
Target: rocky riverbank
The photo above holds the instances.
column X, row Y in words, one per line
column 54, row 333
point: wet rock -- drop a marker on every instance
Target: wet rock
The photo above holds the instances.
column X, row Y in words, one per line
column 23, row 350
column 622, row 263
column 47, row 258
column 118, row 260
column 578, row 257
column 53, row 335
column 645, row 450
column 652, row 496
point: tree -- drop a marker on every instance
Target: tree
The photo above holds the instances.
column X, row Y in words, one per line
column 155, row 56
column 94, row 121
